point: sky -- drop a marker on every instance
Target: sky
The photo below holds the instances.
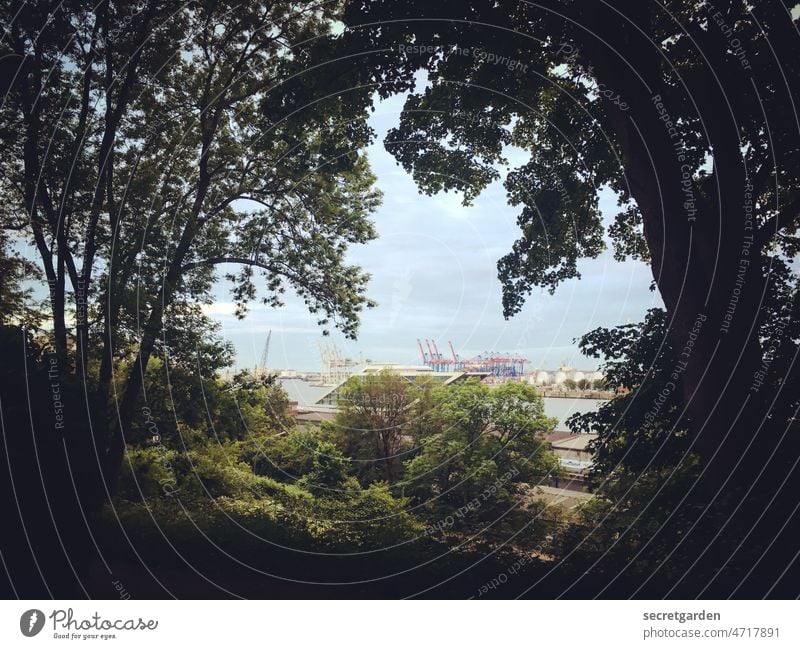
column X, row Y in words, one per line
column 434, row 276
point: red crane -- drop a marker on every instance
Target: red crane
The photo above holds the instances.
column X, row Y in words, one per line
column 422, row 351
column 453, row 352
column 439, row 358
column 430, row 351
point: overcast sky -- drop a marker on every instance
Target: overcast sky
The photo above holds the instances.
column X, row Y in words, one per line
column 434, row 276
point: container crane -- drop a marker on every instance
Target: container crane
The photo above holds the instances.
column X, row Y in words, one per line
column 262, row 366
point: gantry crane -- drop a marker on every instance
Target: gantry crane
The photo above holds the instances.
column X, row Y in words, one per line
column 261, row 368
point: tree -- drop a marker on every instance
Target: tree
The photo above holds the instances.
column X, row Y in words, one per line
column 138, row 163
column 653, row 528
column 643, row 429
column 482, row 449
column 329, row 472
column 373, row 418
column 680, row 108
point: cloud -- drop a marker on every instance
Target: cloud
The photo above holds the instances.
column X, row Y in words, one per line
column 218, row 308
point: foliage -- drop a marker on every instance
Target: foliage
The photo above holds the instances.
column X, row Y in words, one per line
column 482, row 449
column 302, row 457
column 177, row 399
column 630, row 530
column 535, row 78
column 646, row 427
column 323, row 509
column 652, row 516
column 480, row 452
column 138, row 166
column 706, row 173
column 375, row 412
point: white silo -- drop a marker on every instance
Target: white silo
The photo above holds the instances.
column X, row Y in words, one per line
column 560, row 377
column 577, row 375
column 543, row 378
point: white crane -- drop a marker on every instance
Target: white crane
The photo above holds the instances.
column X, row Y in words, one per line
column 261, row 368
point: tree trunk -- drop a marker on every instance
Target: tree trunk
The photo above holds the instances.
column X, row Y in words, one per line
column 135, row 380
column 704, row 263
